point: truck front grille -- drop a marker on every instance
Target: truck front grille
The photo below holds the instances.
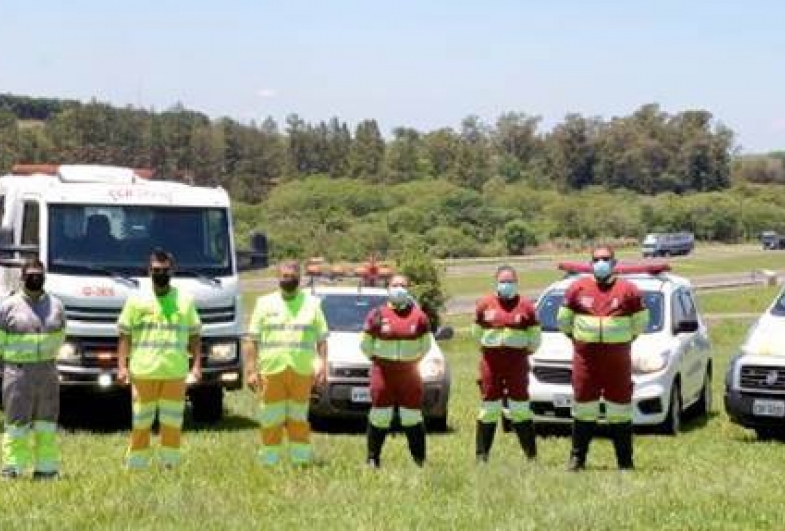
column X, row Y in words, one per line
column 768, row 378
column 553, row 375
column 89, row 314
column 350, row 372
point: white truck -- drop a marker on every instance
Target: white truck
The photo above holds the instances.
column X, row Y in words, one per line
column 94, row 228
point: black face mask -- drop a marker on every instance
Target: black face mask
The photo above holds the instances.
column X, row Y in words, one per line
column 289, row 285
column 161, row 278
column 34, row 282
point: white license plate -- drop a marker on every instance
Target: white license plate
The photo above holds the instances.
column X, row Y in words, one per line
column 768, row 408
column 562, row 400
column 361, row 395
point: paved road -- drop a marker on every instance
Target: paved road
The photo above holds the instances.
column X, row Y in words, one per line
column 465, row 303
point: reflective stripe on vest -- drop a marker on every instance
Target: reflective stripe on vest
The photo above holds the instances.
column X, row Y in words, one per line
column 395, row 349
column 611, row 329
column 508, row 337
column 30, row 348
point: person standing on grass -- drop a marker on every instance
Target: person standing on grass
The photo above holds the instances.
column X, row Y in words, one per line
column 603, row 315
column 159, row 330
column 508, row 331
column 32, row 329
column 395, row 337
column 286, row 333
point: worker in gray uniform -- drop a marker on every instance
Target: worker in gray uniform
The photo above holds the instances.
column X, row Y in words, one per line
column 32, row 328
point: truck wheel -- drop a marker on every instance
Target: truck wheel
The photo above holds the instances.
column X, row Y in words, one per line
column 672, row 423
column 767, row 433
column 207, row 404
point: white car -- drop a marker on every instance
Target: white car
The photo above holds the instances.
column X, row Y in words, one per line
column 346, row 393
column 755, row 381
column 672, row 364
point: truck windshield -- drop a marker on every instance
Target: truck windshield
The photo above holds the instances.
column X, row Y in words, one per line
column 347, row 312
column 550, row 302
column 85, row 239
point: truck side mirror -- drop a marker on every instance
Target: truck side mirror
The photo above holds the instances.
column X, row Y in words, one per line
column 256, row 258
column 687, row 326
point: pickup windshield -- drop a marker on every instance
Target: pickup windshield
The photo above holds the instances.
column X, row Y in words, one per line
column 549, row 305
column 347, row 312
column 118, row 239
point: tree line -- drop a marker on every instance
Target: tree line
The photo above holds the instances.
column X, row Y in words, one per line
column 648, row 152
column 507, row 188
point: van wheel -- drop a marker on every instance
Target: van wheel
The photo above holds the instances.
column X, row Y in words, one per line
column 672, row 423
column 768, row 433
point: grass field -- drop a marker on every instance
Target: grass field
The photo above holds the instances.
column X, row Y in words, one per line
column 712, row 476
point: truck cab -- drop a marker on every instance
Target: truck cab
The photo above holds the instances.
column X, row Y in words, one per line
column 94, row 228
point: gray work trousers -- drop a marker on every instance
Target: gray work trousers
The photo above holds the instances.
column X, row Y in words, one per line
column 31, row 391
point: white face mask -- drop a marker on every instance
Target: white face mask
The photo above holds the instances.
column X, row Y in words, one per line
column 398, row 295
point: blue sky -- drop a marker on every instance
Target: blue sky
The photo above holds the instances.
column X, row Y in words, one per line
column 425, row 64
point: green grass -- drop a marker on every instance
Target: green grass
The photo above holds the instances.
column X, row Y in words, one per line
column 713, row 476
column 747, row 300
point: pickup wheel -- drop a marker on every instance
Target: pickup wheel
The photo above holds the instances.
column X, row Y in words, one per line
column 706, row 400
column 437, row 424
column 672, row 423
column 207, row 404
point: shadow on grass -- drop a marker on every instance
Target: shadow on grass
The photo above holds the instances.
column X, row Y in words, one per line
column 111, row 412
column 359, row 426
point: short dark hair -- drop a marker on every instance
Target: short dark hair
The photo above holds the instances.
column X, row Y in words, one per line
column 603, row 247
column 32, row 263
column 161, row 255
column 506, row 267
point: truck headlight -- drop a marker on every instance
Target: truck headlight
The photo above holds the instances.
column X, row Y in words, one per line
column 432, row 368
column 222, row 352
column 67, row 352
column 648, row 362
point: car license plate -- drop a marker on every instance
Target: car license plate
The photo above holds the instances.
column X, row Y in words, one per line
column 562, row 400
column 768, row 408
column 361, row 395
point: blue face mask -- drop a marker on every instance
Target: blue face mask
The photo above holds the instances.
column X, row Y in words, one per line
column 602, row 269
column 398, row 296
column 507, row 290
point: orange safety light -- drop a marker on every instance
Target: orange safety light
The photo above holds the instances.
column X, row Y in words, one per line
column 650, row 268
column 32, row 169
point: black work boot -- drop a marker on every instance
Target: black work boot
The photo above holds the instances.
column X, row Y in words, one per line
column 375, row 438
column 415, row 435
column 484, row 440
column 622, row 443
column 582, row 433
column 527, row 438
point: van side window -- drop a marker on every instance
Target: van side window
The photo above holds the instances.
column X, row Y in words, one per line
column 30, row 222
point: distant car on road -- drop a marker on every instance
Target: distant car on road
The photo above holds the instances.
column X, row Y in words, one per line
column 346, row 392
column 771, row 240
column 672, row 363
column 755, row 381
column 667, row 244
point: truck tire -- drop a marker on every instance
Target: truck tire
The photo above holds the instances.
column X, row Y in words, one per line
column 207, row 404
column 705, row 402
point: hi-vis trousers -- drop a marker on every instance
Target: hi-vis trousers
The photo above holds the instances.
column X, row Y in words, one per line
column 31, row 398
column 283, row 406
column 167, row 398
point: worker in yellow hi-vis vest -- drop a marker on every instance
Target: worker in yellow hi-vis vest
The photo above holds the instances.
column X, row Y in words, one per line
column 159, row 331
column 286, row 333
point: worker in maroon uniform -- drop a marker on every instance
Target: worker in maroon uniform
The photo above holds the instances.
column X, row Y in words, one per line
column 508, row 331
column 602, row 314
column 396, row 337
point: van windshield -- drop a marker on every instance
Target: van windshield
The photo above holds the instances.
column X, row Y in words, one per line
column 87, row 239
column 347, row 312
column 549, row 304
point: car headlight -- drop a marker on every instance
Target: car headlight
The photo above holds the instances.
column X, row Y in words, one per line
column 222, row 352
column 67, row 352
column 648, row 362
column 432, row 368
